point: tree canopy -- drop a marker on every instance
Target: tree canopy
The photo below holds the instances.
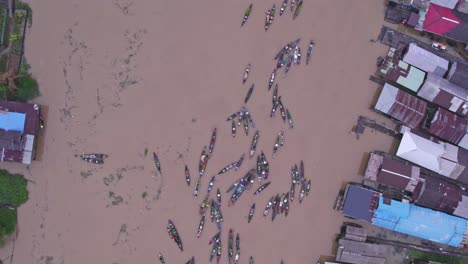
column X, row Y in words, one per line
column 13, row 189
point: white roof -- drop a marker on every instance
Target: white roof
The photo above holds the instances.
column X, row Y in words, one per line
column 387, row 98
column 439, row 157
column 421, row 151
column 445, row 3
column 426, row 60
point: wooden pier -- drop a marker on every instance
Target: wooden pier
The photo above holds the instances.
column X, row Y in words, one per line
column 364, row 122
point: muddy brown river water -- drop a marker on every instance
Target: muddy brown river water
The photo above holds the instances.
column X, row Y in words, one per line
column 122, row 76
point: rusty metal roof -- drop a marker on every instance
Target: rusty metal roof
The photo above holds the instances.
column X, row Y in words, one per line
column 404, row 107
column 439, row 195
column 447, row 126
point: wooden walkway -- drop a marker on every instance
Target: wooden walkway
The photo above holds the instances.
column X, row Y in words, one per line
column 364, row 122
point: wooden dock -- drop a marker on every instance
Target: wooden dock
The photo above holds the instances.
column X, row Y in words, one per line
column 364, row 122
column 377, row 80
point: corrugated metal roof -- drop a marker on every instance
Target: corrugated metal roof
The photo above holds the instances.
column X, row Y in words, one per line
column 355, row 252
column 413, row 79
column 392, row 172
column 458, row 74
column 443, row 93
column 447, row 22
column 28, row 122
column 448, row 126
column 463, row 6
column 401, row 105
column 445, row 3
column 32, row 114
column 426, row 60
column 420, row 222
column 439, row 195
column 357, row 202
column 402, row 73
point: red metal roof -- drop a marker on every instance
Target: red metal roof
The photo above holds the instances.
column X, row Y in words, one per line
column 448, row 126
column 440, row 20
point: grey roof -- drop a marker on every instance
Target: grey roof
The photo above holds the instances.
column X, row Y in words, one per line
column 463, row 6
column 360, row 252
column 425, row 60
column 445, row 3
column 444, row 93
column 458, row 74
column 356, row 233
column 357, row 202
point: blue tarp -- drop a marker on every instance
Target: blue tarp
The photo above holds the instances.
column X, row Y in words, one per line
column 12, row 121
column 420, row 222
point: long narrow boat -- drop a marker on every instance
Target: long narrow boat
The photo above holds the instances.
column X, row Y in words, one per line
column 309, row 51
column 246, row 73
column 203, row 161
column 191, row 261
column 161, row 258
column 156, row 162
column 253, row 145
column 212, row 143
column 246, row 14
column 201, row 226
column 283, row 7
column 272, row 79
column 298, row 9
column 249, row 93
column 172, row 230
column 251, row 213
column 187, row 175
column 230, row 246
column 261, row 188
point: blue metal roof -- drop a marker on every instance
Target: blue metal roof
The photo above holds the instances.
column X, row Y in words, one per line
column 357, row 202
column 420, row 222
column 12, row 121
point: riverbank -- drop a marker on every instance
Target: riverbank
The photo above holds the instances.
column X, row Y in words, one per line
column 160, row 76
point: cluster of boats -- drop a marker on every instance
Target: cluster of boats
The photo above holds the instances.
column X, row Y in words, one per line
column 295, row 6
column 243, row 117
column 290, row 54
column 206, row 154
column 96, row 158
column 278, row 204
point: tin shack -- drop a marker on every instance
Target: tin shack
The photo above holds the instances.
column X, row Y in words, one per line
column 365, row 204
column 19, row 124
